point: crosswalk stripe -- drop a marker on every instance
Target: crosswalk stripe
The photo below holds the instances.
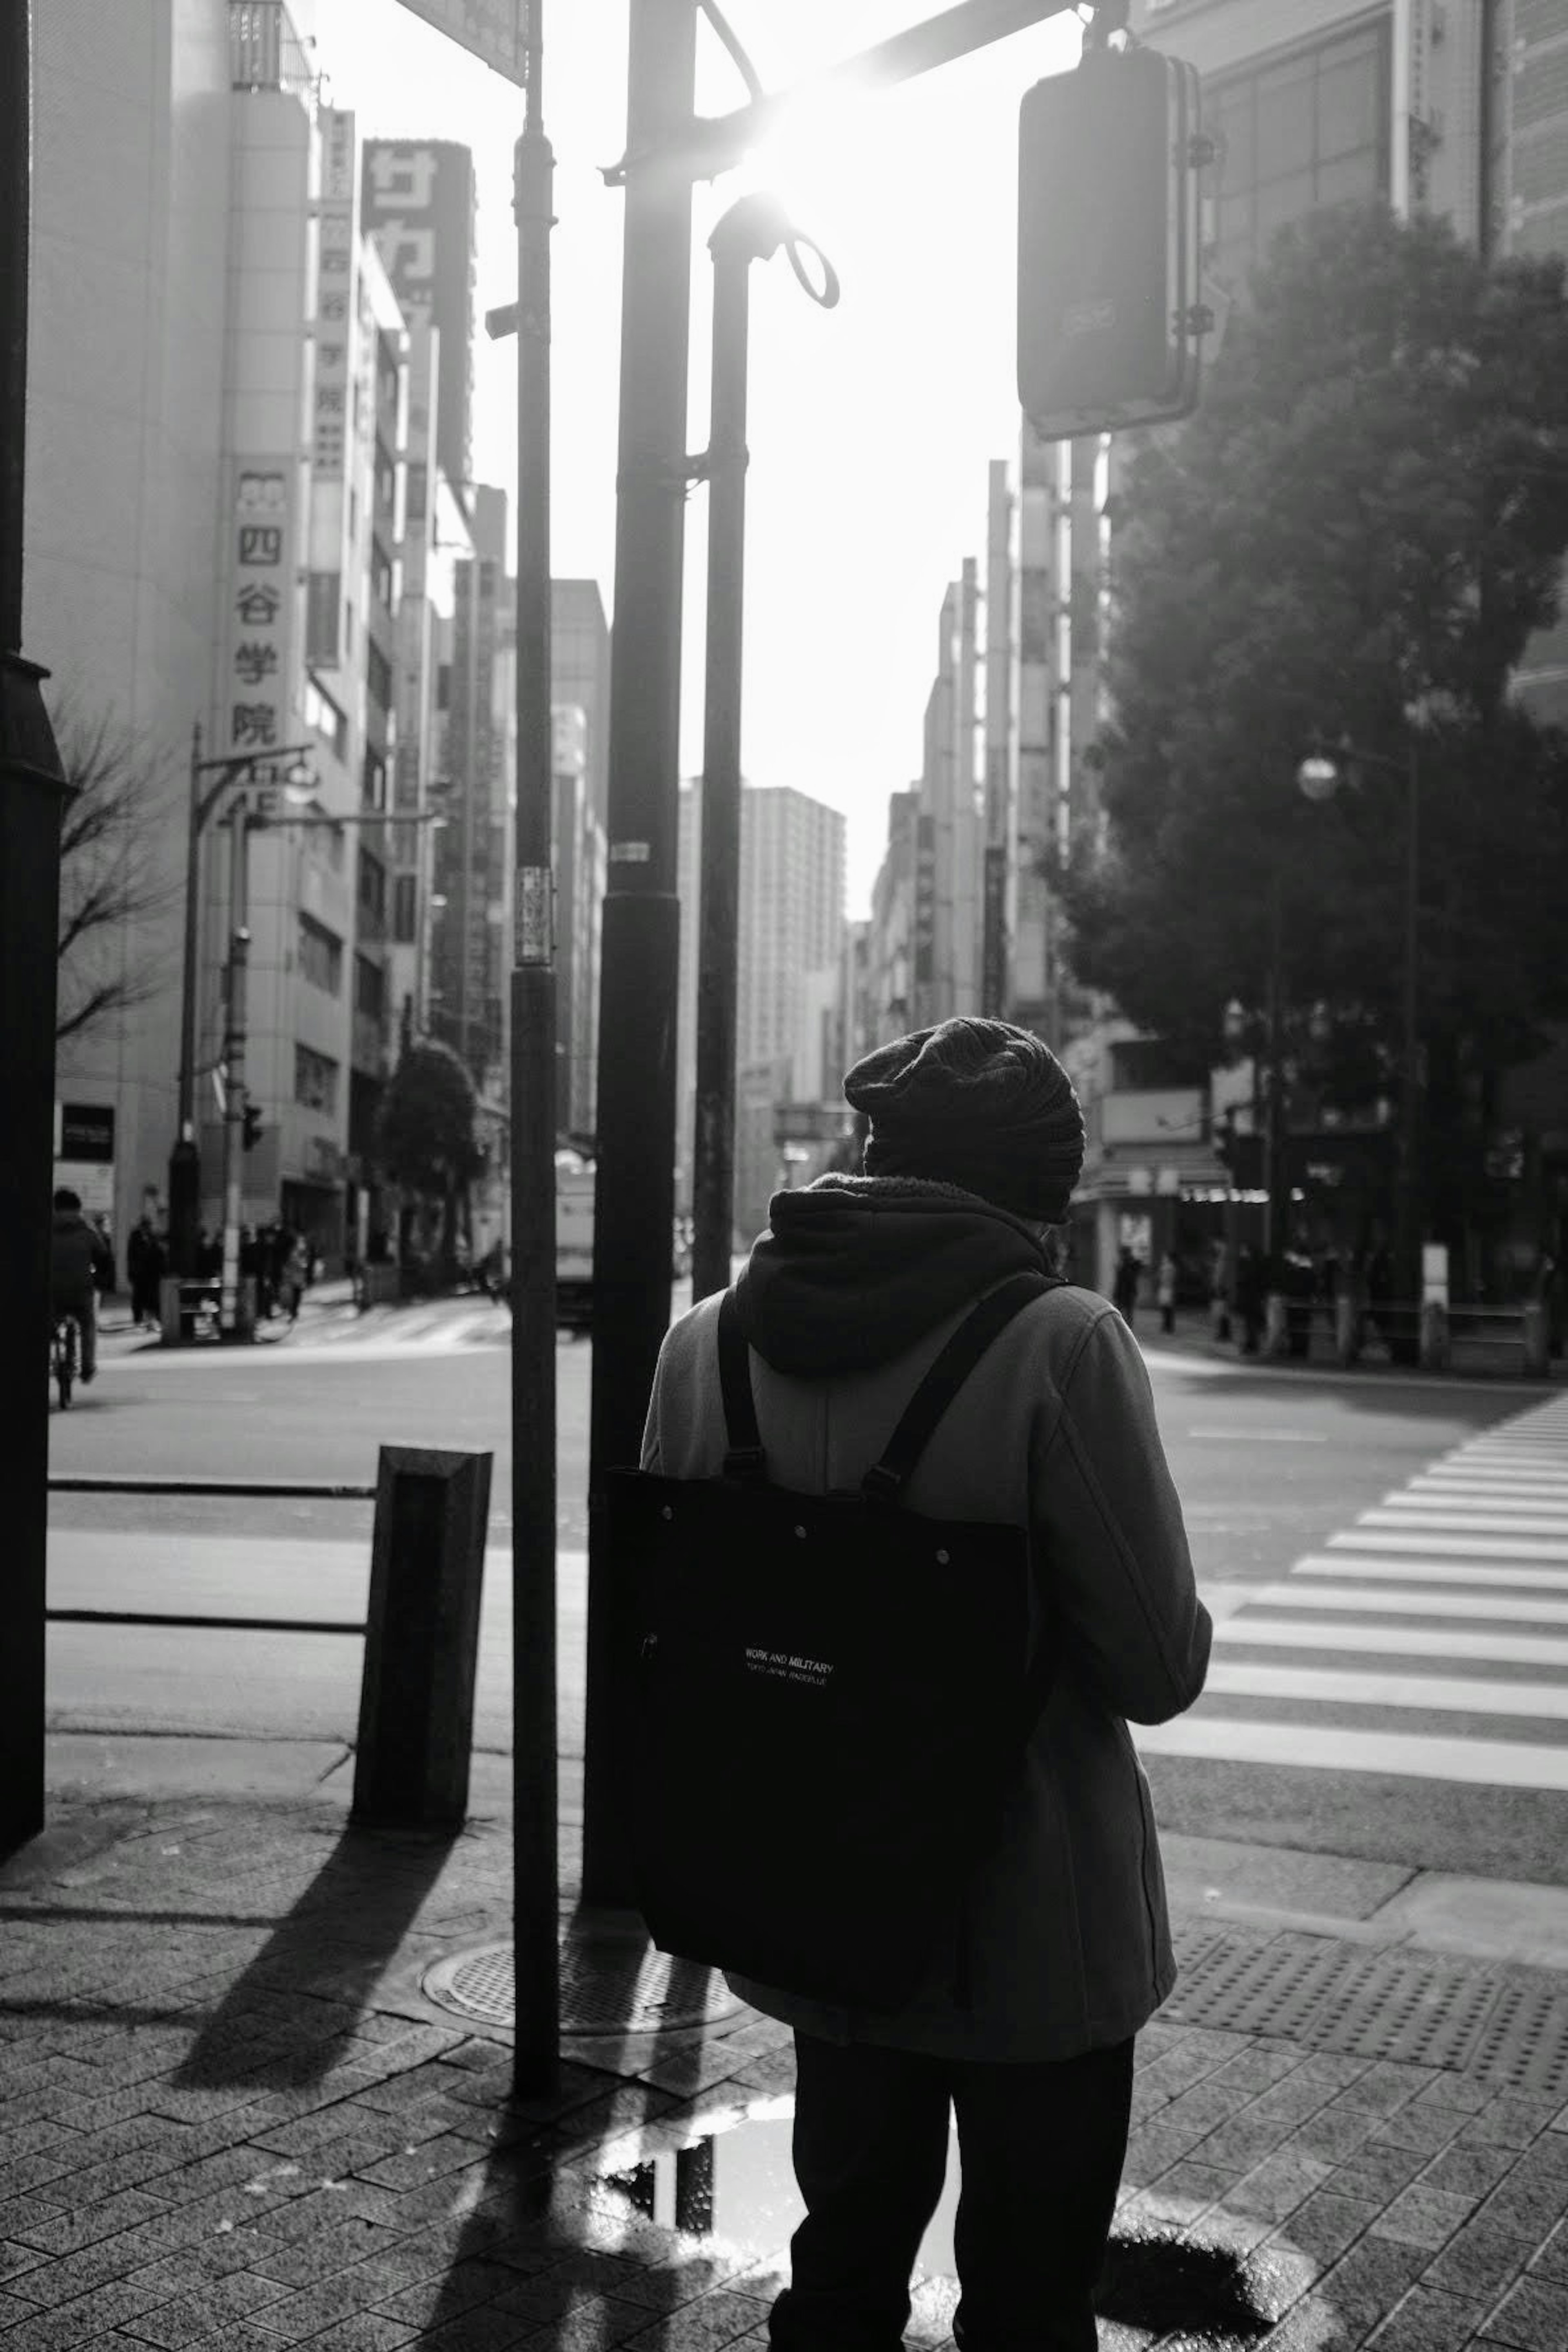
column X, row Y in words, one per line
column 1436, row 1694
column 1422, row 1756
column 1398, row 1641
column 1465, row 1547
column 1485, row 1482
column 1417, row 1514
column 1481, row 1575
column 1503, row 1607
column 1502, row 1501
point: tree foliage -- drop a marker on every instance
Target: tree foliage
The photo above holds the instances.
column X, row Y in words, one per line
column 1354, row 540
column 425, row 1138
column 111, row 877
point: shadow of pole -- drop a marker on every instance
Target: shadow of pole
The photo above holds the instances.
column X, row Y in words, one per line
column 279, row 2022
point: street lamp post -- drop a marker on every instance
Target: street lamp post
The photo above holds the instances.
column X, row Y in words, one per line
column 1320, row 776
column 185, row 1160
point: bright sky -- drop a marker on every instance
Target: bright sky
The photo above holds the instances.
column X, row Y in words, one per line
column 870, row 426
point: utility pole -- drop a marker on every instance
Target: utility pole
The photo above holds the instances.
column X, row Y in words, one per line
column 236, row 993
column 634, row 1208
column 749, row 231
column 533, row 1117
column 33, row 793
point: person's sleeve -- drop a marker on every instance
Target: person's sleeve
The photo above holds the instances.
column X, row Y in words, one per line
column 1113, row 1545
column 652, row 1451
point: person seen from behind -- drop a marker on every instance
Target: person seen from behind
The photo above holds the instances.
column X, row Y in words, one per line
column 74, row 1252
column 1166, row 1292
column 1124, row 1284
column 1024, row 2029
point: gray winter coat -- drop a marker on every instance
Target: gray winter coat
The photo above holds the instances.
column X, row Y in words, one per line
column 1066, row 1941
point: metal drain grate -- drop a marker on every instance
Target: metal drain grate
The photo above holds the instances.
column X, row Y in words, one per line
column 608, row 1985
column 1414, row 2009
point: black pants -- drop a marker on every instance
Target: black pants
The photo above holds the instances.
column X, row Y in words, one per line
column 1041, row 2149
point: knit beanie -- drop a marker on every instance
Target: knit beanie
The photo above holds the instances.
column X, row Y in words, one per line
column 974, row 1103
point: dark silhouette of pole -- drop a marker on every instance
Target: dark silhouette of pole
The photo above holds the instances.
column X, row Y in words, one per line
column 749, row 232
column 634, row 1214
column 532, row 1119
column 33, row 795
column 1408, row 1212
column 185, row 1158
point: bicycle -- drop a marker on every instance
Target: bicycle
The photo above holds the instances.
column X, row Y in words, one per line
column 63, row 1358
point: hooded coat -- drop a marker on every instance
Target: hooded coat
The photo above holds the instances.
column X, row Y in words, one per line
column 1064, row 1940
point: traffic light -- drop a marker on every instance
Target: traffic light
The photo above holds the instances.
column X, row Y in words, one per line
column 1109, row 324
column 250, row 1127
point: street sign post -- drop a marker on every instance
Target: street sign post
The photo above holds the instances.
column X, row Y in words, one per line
column 492, row 29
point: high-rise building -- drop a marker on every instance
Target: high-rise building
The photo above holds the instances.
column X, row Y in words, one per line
column 789, row 1022
column 217, row 407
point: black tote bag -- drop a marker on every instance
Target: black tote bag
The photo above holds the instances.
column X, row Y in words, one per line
column 832, row 1700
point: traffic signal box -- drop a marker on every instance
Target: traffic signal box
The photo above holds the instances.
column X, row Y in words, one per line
column 1109, row 324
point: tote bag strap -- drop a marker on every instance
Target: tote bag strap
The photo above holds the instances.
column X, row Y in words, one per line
column 744, row 1459
column 884, row 1481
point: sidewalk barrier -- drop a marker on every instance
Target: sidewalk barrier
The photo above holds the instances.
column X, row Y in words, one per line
column 184, row 1304
column 381, row 1285
column 1537, row 1340
column 421, row 1651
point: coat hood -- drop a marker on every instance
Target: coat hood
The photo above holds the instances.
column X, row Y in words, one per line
column 853, row 1269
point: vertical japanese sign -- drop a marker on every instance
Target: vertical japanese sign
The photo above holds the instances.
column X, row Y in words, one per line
column 495, row 30
column 333, row 312
column 417, row 202
column 261, row 598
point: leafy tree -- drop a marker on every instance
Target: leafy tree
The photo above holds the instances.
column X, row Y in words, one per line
column 110, row 877
column 426, row 1137
column 1354, row 538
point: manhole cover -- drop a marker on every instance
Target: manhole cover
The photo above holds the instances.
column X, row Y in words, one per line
column 608, row 1985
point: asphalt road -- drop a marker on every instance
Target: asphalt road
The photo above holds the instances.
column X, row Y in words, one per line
column 1270, row 1464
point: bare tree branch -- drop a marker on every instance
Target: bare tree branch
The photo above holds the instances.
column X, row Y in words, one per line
column 111, row 879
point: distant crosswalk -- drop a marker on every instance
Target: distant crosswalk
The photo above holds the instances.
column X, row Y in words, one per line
column 1428, row 1639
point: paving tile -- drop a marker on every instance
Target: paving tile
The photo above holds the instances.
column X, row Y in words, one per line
column 16, row 2260
column 432, row 2159
column 1365, row 2283
column 1529, row 2210
column 1507, row 2121
column 1413, row 2126
column 715, row 2319
column 1333, row 2133
column 1553, row 2259
column 64, row 2234
column 1532, row 2314
column 1420, row 2216
column 463, row 2287
column 1277, row 2186
column 1324, row 2224
column 487, row 2329
column 1379, row 2172
column 1428, row 2322
column 1473, row 2171
column 1385, row 2088
column 331, row 2246
column 367, row 2331
column 1479, row 2261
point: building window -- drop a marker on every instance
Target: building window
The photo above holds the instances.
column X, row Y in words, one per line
column 370, row 987
column 372, row 891
column 378, row 674
column 373, row 783
column 1294, row 135
column 320, row 955
column 315, row 1080
column 380, row 575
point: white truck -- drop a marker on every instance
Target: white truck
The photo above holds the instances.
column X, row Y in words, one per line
column 574, row 1240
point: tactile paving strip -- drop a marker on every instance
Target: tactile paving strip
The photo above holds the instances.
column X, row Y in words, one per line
column 616, row 1985
column 1413, row 2008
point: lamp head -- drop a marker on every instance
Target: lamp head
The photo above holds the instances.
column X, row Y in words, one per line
column 299, row 782
column 1319, row 776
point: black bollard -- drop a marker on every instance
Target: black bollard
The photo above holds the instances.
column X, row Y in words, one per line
column 422, row 1638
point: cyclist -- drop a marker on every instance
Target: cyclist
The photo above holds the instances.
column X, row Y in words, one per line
column 73, row 1246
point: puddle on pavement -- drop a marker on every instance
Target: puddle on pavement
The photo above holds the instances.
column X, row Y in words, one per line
column 735, row 2182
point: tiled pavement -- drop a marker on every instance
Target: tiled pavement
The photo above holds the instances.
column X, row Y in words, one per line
column 230, row 2119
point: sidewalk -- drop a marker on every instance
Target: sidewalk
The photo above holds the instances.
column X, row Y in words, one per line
column 234, row 2115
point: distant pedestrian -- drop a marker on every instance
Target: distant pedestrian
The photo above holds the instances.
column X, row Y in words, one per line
column 1250, row 1292
column 294, row 1272
column 1166, row 1292
column 146, row 1262
column 1124, row 1289
column 1025, row 2018
column 73, row 1267
column 1219, row 1291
